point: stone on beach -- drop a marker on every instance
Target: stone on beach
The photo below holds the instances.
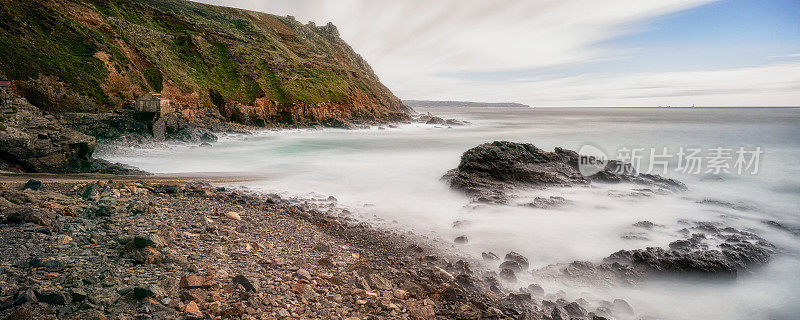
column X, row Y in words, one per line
column 233, row 215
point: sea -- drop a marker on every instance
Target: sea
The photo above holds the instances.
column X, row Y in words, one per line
column 741, row 167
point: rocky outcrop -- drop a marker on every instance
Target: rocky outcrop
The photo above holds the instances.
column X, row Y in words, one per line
column 31, row 141
column 711, row 250
column 489, row 171
column 708, row 251
column 253, row 68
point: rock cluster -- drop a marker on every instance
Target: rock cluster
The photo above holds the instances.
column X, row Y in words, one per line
column 711, row 250
column 31, row 141
column 434, row 120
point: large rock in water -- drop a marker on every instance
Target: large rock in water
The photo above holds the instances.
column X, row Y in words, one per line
column 489, row 171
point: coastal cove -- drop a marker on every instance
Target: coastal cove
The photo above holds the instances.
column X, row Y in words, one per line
column 399, row 160
column 390, row 178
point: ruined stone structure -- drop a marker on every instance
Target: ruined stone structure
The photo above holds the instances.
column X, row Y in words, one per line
column 152, row 102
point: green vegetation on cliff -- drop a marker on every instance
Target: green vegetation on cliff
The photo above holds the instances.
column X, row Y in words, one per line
column 92, row 55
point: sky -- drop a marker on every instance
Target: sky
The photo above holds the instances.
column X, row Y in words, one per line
column 570, row 52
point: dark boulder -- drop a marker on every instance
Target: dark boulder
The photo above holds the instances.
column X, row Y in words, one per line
column 508, row 275
column 574, row 309
column 489, row 171
column 33, row 185
column 512, row 265
column 249, row 284
column 518, row 258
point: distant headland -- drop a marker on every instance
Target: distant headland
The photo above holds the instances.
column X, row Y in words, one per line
column 462, row 104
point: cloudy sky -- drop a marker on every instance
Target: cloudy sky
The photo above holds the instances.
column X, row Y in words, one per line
column 571, row 52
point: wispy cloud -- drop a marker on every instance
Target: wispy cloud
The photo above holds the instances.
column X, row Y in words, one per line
column 794, row 55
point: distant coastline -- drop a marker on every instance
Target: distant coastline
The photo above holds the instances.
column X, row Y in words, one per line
column 462, row 104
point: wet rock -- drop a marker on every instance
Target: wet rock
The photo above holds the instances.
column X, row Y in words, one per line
column 512, row 265
column 454, row 122
column 33, row 185
column 644, row 225
column 492, row 168
column 40, row 216
column 508, row 275
column 739, row 252
column 574, row 309
column 520, row 297
column 465, row 280
column 205, row 145
column 461, row 223
column 461, row 267
column 558, row 313
column 489, row 256
column 249, row 284
column 680, row 244
column 536, row 290
column 489, row 171
column 548, row 203
column 518, row 258
column 602, row 313
column 435, row 120
column 461, row 240
column 740, row 206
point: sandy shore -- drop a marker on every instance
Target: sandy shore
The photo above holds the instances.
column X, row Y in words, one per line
column 167, row 246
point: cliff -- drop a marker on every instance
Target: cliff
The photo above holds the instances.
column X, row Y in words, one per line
column 92, row 56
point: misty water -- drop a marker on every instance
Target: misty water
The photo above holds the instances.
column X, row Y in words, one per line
column 391, row 178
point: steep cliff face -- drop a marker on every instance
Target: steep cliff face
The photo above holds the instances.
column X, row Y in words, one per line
column 254, row 68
